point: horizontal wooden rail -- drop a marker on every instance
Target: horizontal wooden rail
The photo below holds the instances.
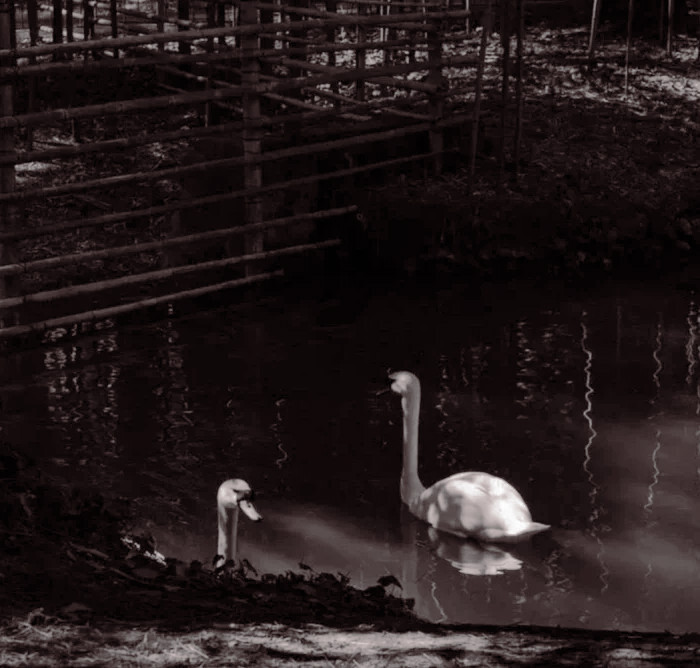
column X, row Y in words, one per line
column 162, row 244
column 122, row 107
column 111, row 218
column 198, row 97
column 169, row 172
column 158, row 275
column 331, row 19
column 111, row 145
column 123, row 42
column 121, row 309
column 149, row 59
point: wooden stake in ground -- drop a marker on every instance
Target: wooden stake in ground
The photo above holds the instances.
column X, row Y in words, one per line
column 505, row 74
column 7, row 147
column 630, row 14
column 485, row 32
column 436, row 99
column 595, row 17
column 520, row 17
column 252, row 144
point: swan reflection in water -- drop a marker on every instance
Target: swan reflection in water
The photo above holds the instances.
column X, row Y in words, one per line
column 471, row 557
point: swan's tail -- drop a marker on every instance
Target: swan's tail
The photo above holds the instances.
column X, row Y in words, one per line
column 499, row 536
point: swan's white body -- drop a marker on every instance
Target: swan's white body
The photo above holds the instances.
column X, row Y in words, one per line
column 233, row 495
column 472, row 504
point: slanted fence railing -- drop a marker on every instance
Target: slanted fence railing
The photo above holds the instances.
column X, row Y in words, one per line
column 152, row 153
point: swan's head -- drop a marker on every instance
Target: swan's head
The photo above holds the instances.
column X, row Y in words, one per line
column 236, row 493
column 404, row 382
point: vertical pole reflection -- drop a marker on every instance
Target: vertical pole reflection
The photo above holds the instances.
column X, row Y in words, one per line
column 690, row 346
column 648, row 506
column 587, row 415
column 592, row 434
column 658, row 366
column 277, row 428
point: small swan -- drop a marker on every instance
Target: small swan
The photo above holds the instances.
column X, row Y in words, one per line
column 472, row 504
column 232, row 495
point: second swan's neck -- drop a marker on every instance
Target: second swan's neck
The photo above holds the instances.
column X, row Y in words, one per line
column 228, row 531
column 411, row 486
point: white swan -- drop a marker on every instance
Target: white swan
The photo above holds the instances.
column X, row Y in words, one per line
column 232, row 495
column 474, row 505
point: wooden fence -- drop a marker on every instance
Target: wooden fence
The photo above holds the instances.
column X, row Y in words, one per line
column 172, row 152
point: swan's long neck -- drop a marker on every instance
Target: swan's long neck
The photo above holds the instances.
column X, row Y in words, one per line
column 411, row 486
column 228, row 531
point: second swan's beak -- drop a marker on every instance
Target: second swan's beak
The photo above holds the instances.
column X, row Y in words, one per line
column 249, row 509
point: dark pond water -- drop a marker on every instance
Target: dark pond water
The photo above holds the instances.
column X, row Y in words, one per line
column 587, row 403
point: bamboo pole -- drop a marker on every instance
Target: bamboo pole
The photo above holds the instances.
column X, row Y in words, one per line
column 505, row 85
column 595, row 18
column 485, row 32
column 165, row 244
column 169, row 172
column 252, row 136
column 113, row 24
column 88, row 24
column 122, row 107
column 630, row 14
column 47, row 296
column 436, row 99
column 160, row 23
column 221, row 18
column 69, row 20
column 33, row 21
column 121, row 216
column 376, row 74
column 120, row 144
column 194, row 35
column 669, row 28
column 183, row 14
column 520, row 16
column 83, row 67
column 122, row 309
column 360, row 57
column 8, row 287
column 147, row 104
column 13, row 25
column 57, row 22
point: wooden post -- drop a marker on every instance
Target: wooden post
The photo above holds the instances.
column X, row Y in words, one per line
column 505, row 81
column 113, row 23
column 160, row 22
column 211, row 23
column 69, row 21
column 332, row 6
column 360, row 54
column 88, row 21
column 33, row 21
column 57, row 21
column 436, row 100
column 13, row 25
column 252, row 143
column 669, row 28
column 595, row 18
column 221, row 19
column 487, row 22
column 8, row 285
column 183, row 13
column 520, row 18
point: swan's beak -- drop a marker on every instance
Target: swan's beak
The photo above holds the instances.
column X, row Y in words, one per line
column 249, row 509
